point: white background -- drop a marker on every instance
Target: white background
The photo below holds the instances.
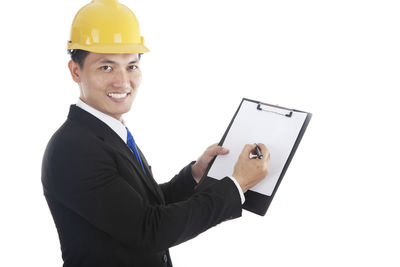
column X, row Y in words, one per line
column 338, row 204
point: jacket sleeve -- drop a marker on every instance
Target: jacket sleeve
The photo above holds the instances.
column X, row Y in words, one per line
column 84, row 178
column 180, row 187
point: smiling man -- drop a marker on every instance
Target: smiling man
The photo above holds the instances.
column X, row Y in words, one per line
column 106, row 205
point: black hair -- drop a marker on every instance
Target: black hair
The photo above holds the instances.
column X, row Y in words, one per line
column 79, row 55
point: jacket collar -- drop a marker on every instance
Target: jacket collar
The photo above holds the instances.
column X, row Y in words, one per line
column 118, row 126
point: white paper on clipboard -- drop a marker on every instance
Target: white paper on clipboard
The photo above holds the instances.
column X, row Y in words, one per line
column 268, row 126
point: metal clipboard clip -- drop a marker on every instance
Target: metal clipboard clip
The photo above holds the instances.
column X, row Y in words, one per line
column 289, row 115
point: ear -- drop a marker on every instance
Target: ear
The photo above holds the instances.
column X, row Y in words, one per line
column 75, row 71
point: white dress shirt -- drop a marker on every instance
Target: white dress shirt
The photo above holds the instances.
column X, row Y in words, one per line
column 119, row 128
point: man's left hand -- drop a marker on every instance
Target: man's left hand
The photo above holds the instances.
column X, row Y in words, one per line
column 202, row 162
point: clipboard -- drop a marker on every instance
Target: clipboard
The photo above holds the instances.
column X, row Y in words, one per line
column 258, row 122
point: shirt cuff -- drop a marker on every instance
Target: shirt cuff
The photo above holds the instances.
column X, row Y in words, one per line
column 238, row 188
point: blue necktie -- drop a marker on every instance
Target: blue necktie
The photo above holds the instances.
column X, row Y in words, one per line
column 131, row 143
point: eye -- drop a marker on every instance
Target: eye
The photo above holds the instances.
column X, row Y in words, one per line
column 133, row 67
column 106, row 68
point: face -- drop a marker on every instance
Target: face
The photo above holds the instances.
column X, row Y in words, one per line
column 108, row 82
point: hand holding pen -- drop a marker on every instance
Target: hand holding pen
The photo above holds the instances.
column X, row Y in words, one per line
column 252, row 165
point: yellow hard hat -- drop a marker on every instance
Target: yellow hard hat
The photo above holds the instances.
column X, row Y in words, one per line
column 106, row 26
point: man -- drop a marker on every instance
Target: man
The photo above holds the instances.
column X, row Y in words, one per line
column 106, row 205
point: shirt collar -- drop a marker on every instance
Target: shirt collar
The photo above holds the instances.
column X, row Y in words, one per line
column 117, row 126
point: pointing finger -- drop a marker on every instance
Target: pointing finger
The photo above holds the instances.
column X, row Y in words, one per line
column 264, row 150
column 218, row 150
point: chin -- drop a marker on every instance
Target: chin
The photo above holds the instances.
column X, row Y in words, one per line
column 121, row 111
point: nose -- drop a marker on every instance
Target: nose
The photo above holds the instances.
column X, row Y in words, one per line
column 121, row 79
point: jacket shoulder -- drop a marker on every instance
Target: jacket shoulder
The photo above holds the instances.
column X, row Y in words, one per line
column 70, row 150
column 70, row 135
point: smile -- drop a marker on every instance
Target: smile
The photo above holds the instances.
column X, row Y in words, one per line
column 118, row 95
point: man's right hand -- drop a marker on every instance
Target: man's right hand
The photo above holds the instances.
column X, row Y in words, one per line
column 249, row 171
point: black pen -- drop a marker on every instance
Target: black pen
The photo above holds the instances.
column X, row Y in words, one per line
column 259, row 153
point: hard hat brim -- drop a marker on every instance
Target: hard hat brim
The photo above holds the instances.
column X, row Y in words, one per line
column 111, row 49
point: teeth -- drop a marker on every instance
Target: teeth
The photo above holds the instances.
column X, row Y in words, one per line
column 115, row 95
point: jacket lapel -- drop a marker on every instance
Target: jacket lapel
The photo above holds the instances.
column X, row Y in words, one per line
column 147, row 177
column 150, row 175
column 104, row 132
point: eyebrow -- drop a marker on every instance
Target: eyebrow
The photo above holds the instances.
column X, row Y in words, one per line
column 108, row 61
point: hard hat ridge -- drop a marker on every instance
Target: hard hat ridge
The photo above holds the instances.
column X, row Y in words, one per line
column 110, row 3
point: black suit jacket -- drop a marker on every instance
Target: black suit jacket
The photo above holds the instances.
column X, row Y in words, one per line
column 108, row 212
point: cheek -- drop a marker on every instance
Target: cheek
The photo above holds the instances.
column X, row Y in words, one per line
column 137, row 78
column 98, row 84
